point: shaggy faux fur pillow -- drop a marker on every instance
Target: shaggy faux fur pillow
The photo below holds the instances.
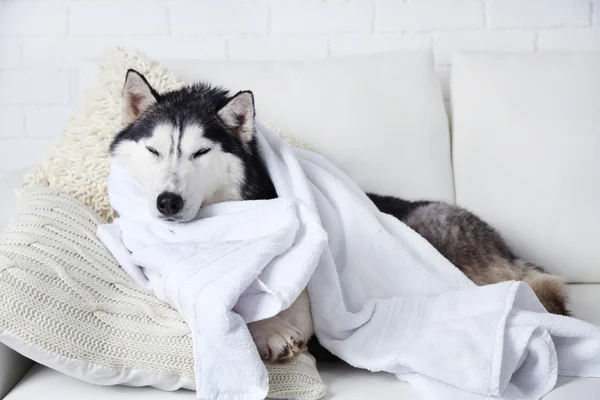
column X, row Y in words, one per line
column 66, row 303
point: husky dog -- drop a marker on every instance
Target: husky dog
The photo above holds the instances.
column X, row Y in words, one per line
column 196, row 146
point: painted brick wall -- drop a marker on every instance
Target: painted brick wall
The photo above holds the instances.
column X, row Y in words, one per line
column 41, row 41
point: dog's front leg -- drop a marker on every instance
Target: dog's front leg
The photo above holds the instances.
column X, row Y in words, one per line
column 284, row 336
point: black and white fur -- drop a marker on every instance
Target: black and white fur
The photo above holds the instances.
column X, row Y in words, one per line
column 197, row 146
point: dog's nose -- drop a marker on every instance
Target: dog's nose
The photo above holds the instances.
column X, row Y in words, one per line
column 169, row 203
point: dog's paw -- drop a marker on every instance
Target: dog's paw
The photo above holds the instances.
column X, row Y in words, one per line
column 283, row 346
column 277, row 340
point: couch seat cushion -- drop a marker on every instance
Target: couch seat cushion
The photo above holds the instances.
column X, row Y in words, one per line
column 344, row 382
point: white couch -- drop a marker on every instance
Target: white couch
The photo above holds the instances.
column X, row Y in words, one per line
column 523, row 154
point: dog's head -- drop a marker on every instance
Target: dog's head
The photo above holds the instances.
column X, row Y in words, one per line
column 186, row 147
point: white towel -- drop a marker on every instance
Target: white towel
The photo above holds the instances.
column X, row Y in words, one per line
column 382, row 298
column 239, row 262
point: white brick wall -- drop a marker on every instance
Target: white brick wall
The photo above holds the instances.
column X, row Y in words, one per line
column 41, row 41
column 447, row 43
column 45, row 121
column 12, row 122
column 138, row 18
column 325, row 17
column 9, row 54
column 353, row 44
column 34, row 87
column 33, row 18
column 289, row 48
column 429, row 15
column 538, row 13
column 218, row 17
column 571, row 39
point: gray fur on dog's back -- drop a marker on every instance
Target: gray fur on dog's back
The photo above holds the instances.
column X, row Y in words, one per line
column 474, row 247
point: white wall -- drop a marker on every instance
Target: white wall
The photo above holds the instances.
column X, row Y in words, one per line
column 40, row 41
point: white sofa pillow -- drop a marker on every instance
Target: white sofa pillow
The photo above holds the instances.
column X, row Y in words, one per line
column 526, row 153
column 381, row 118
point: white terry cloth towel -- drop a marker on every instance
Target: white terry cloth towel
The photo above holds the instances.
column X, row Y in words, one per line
column 384, row 299
column 239, row 262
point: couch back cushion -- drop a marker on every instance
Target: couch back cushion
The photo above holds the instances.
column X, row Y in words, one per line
column 381, row 118
column 526, row 153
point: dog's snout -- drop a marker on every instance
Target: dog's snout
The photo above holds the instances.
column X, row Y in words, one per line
column 169, row 203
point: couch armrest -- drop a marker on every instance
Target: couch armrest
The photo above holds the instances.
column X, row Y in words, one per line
column 12, row 368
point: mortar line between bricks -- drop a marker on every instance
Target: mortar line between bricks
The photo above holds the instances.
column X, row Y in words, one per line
column 55, row 69
column 227, row 48
column 578, row 29
column 68, row 19
column 71, row 87
column 533, row 28
column 329, row 51
column 13, row 69
column 26, row 113
column 24, row 122
column 486, row 15
column 168, row 17
column 36, row 104
column 432, row 30
column 110, row 36
column 21, row 56
column 269, row 20
column 221, row 35
column 373, row 19
column 14, row 36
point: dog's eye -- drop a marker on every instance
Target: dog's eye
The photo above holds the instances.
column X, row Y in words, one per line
column 201, row 152
column 153, row 151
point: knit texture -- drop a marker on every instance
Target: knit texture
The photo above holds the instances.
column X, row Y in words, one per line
column 64, row 294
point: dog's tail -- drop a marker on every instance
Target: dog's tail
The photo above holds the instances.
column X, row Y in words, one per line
column 550, row 289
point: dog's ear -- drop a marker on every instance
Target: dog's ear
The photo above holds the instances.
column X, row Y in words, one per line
column 138, row 95
column 238, row 115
